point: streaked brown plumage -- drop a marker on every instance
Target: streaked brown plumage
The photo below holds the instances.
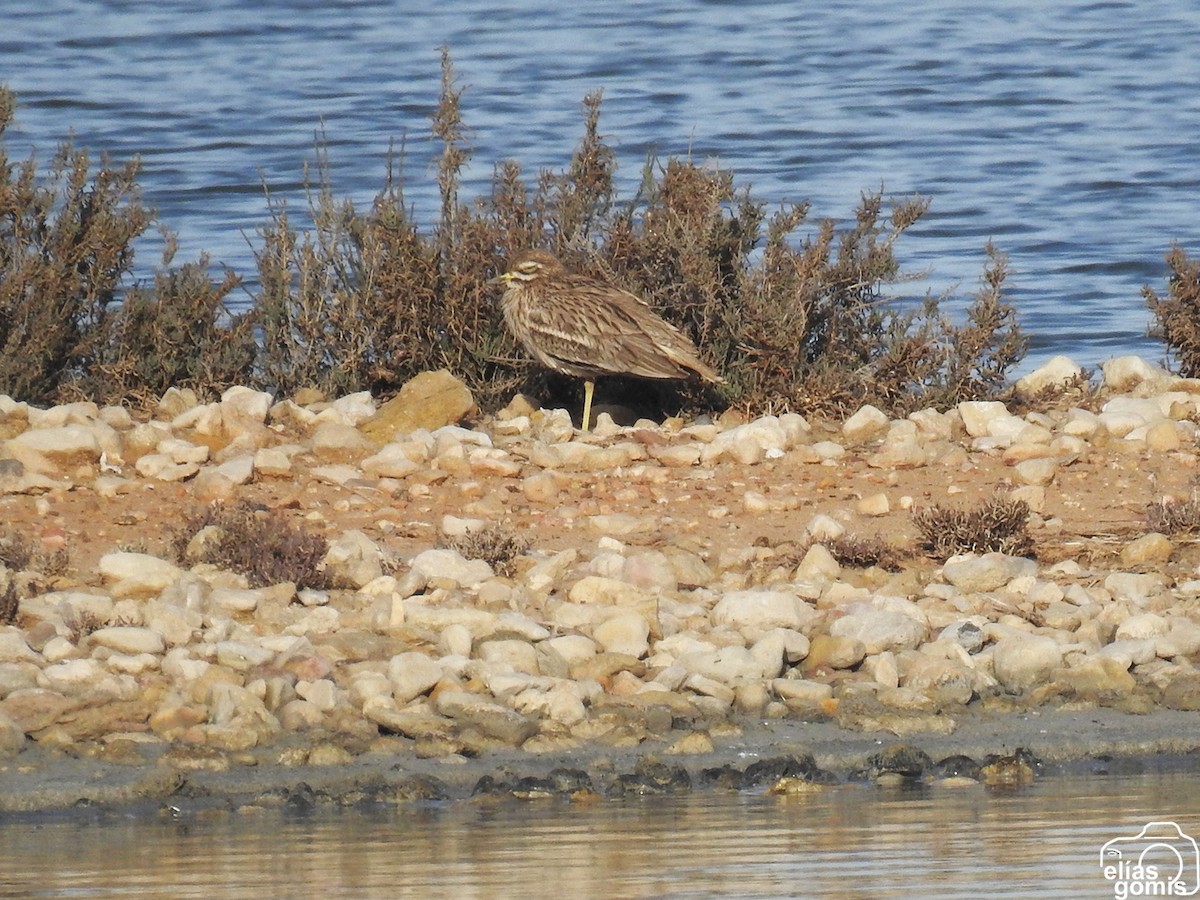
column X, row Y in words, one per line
column 581, row 326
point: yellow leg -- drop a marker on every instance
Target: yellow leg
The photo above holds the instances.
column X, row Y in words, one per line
column 588, row 387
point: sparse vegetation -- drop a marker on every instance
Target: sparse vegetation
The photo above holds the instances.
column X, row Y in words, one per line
column 16, row 551
column 793, row 315
column 862, row 553
column 1177, row 316
column 495, row 544
column 258, row 543
column 10, row 604
column 1170, row 516
column 1000, row 524
column 81, row 623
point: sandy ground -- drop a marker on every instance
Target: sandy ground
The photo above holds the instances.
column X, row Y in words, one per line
column 1095, row 506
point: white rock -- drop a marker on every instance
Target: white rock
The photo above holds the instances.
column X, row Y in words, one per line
column 449, row 565
column 137, row 574
column 128, row 639
column 241, row 655
column 800, row 693
column 243, row 403
column 72, row 675
column 1135, row 588
column 1131, row 652
column 412, row 674
column 762, row 609
column 1143, row 625
column 237, row 600
column 626, row 632
column 62, row 445
column 13, row 648
column 355, row 559
column 976, row 574
column 238, row 470
column 822, row 528
column 321, row 693
column 456, row 639
column 574, row 648
column 818, row 563
column 979, row 417
column 729, row 665
column 1055, row 372
column 515, row 655
column 1021, row 662
column 1183, row 639
column 1125, row 373
column 880, row 630
column 181, row 451
column 865, row 425
column 354, row 409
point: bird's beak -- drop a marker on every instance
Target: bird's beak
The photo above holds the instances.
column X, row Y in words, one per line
column 503, row 278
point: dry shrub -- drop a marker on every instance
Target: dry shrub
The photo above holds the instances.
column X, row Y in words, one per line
column 258, row 543
column 366, row 300
column 1177, row 316
column 65, row 243
column 1170, row 516
column 999, row 524
column 495, row 544
column 793, row 316
column 81, row 623
column 180, row 333
column 10, row 604
column 862, row 553
column 16, row 551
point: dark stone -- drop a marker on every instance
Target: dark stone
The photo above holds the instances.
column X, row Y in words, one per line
column 899, row 759
column 769, row 771
column 957, row 767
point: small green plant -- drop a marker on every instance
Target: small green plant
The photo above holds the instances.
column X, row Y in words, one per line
column 258, row 543
column 1177, row 316
column 997, row 525
column 495, row 544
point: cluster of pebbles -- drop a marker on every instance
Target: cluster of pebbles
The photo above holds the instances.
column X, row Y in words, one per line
column 602, row 633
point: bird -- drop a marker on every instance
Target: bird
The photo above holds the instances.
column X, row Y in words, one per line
column 585, row 327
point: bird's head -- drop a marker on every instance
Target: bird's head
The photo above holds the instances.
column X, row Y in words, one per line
column 528, row 268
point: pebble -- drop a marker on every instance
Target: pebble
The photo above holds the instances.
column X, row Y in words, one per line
column 615, row 640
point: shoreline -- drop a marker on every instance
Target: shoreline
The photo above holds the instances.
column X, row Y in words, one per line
column 1063, row 743
column 641, row 603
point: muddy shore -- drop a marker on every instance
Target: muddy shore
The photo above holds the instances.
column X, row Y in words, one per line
column 1097, row 741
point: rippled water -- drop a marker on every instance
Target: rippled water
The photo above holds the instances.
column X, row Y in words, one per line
column 1065, row 131
column 850, row 842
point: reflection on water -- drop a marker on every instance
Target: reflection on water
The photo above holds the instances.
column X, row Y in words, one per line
column 852, row 841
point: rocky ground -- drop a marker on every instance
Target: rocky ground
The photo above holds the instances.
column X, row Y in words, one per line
column 675, row 603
